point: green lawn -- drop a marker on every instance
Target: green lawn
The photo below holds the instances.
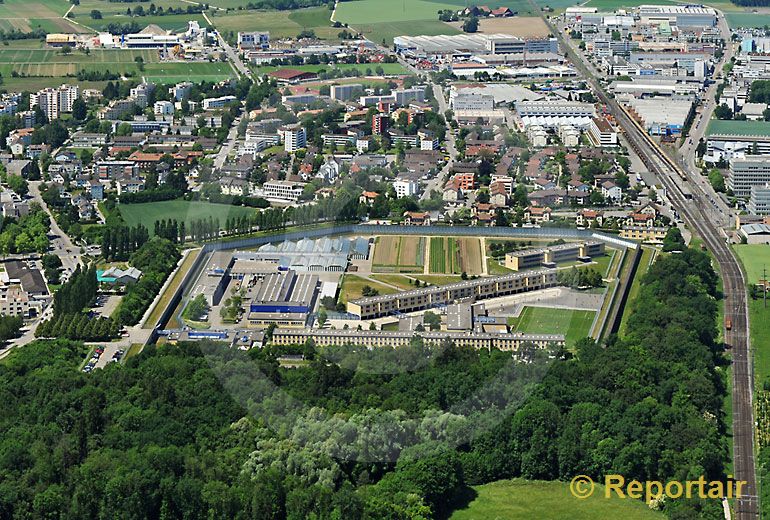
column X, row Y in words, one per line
column 523, row 499
column 280, row 24
column 754, row 257
column 386, row 31
column 636, row 284
column 735, row 20
column 495, row 268
column 717, row 126
column 175, row 72
column 147, row 213
column 396, row 279
column 574, row 324
column 352, row 287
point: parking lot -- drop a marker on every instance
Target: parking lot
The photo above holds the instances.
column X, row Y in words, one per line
column 102, row 355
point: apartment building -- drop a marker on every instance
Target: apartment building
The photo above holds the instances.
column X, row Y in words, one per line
column 752, row 170
column 284, row 190
column 55, row 101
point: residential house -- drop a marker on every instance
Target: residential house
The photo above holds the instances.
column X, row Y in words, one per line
column 611, row 191
column 537, row 214
column 416, row 218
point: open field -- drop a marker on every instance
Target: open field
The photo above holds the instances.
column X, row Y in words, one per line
column 574, row 324
column 401, row 281
column 754, row 258
column 471, row 258
column 352, row 287
column 181, row 210
column 399, row 254
column 116, row 12
column 36, row 14
column 758, row 20
column 523, row 499
column 281, row 24
column 386, row 31
column 445, row 255
column 49, row 63
column 527, row 27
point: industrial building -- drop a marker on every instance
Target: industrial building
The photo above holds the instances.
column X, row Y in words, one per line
column 394, row 339
column 284, row 298
column 759, row 200
column 553, row 255
column 471, row 44
column 662, row 115
column 421, row 299
column 553, row 114
column 253, row 40
column 728, row 139
column 679, row 15
column 752, row 170
column 325, row 254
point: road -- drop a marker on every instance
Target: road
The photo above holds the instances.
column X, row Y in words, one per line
column 232, row 56
column 696, row 213
column 437, row 182
column 227, row 147
column 61, row 245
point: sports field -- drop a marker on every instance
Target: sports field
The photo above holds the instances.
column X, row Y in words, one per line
column 574, row 324
column 181, row 210
column 280, row 24
column 399, row 254
column 521, row 499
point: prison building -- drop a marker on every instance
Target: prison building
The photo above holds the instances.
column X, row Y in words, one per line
column 470, row 290
column 553, row 255
column 394, row 339
column 284, row 298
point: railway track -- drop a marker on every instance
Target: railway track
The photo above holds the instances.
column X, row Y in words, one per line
column 692, row 202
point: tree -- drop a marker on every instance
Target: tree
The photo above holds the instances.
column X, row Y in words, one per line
column 124, row 129
column 471, row 25
column 673, row 240
column 66, row 50
column 432, row 320
column 723, row 112
column 322, row 317
column 79, row 109
column 717, row 180
column 96, row 14
column 18, row 184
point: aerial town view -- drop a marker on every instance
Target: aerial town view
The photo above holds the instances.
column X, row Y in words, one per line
column 384, row 259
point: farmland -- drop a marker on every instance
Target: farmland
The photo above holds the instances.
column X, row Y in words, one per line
column 32, row 61
column 398, row 254
column 36, row 14
column 574, row 324
column 747, row 20
column 115, row 12
column 450, row 255
column 280, row 24
column 520, row 499
column 181, row 210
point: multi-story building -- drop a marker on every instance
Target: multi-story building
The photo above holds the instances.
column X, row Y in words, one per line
column 394, row 339
column 294, row 138
column 406, row 96
column 550, row 256
column 284, row 190
column 54, row 101
column 253, row 40
column 759, row 200
column 752, row 170
column 115, row 169
column 468, row 101
column 218, row 102
column 181, row 91
column 117, row 109
column 163, row 108
column 405, row 187
column 602, row 132
column 345, row 92
column 479, row 289
column 380, row 123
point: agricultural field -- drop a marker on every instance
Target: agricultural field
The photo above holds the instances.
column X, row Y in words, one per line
column 115, row 12
column 449, row 255
column 747, row 20
column 399, row 254
column 527, row 27
column 147, row 213
column 36, row 14
column 523, row 499
column 52, row 64
column 444, row 255
column 612, row 5
column 280, row 24
column 574, row 324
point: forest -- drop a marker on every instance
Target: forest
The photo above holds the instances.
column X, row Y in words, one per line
column 203, row 431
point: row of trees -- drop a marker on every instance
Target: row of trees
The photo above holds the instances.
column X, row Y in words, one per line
column 119, row 241
column 78, row 327
column 78, row 293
